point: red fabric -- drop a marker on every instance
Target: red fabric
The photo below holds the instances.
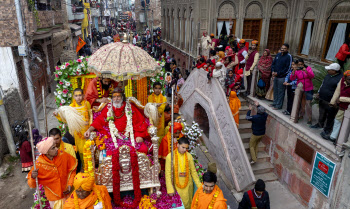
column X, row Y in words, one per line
column 343, row 52
column 138, row 121
column 91, row 93
column 264, row 66
column 25, row 152
column 239, row 55
column 199, row 66
column 344, row 92
column 250, row 60
column 251, row 198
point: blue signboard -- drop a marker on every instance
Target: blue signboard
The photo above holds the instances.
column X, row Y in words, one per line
column 322, row 174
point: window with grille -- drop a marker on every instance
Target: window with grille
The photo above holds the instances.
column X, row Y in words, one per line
column 276, row 34
column 251, row 29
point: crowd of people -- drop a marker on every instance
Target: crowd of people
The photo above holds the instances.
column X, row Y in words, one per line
column 231, row 61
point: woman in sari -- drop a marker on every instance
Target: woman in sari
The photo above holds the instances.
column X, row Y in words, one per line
column 264, row 67
column 234, row 59
column 235, row 106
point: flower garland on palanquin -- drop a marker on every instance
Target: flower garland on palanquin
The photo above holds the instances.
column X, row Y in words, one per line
column 213, row 200
column 177, row 182
column 135, row 178
column 88, row 167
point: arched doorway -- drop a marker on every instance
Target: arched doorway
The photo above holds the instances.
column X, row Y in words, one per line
column 226, row 20
column 200, row 116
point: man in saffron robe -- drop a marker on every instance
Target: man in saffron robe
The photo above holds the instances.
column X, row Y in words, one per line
column 83, row 107
column 166, row 142
column 99, row 90
column 55, row 171
column 184, row 173
column 209, row 194
column 88, row 194
column 56, row 134
column 139, row 125
column 157, row 97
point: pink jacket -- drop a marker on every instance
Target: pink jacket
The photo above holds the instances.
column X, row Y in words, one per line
column 304, row 78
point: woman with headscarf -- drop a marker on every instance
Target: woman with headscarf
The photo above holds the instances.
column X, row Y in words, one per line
column 234, row 59
column 264, row 67
column 235, row 106
column 220, row 73
column 36, row 136
column 221, row 55
column 25, row 152
column 232, row 82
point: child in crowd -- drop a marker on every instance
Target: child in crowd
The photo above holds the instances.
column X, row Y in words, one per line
column 184, row 173
column 235, row 106
column 180, row 82
column 291, row 86
column 304, row 74
column 157, row 97
column 25, row 152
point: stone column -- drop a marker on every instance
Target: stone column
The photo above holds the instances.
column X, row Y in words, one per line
column 294, row 117
column 254, row 82
column 344, row 130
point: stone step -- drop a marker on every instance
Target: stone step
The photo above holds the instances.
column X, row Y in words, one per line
column 262, row 157
column 267, row 177
column 245, row 125
column 246, row 135
column 263, row 167
column 261, row 147
column 244, row 107
column 242, row 117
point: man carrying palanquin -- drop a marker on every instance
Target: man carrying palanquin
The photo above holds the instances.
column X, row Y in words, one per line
column 184, row 173
column 88, row 195
column 128, row 120
column 81, row 114
column 209, row 195
column 56, row 134
column 99, row 90
column 55, row 171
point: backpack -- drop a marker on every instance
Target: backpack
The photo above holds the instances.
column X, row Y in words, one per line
column 261, row 83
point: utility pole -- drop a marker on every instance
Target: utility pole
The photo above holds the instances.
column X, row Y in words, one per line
column 6, row 125
column 30, row 86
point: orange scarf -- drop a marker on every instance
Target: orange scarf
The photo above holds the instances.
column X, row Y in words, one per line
column 235, row 106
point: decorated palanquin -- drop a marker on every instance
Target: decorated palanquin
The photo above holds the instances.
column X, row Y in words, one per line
column 117, row 151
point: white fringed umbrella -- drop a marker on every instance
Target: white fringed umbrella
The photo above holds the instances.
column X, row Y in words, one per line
column 122, row 61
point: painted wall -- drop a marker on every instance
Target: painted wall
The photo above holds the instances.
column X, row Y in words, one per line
column 8, row 73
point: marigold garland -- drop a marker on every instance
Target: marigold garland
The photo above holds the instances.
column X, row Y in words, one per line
column 100, row 142
column 88, row 167
column 177, row 182
column 135, row 178
column 142, row 90
column 128, row 89
column 146, row 203
column 213, row 200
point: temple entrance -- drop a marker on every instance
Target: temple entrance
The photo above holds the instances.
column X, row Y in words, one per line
column 201, row 117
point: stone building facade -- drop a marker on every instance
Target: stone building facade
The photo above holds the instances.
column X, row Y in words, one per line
column 311, row 27
column 140, row 18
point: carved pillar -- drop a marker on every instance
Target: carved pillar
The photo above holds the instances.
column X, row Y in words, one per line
column 296, row 103
column 344, row 130
column 254, row 82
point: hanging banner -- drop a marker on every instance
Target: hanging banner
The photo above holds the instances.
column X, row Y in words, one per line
column 80, row 44
column 322, row 174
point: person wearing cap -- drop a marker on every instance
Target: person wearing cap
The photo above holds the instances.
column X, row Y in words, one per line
column 209, row 195
column 251, row 61
column 257, row 198
column 341, row 98
column 258, row 127
column 242, row 53
column 214, row 42
column 55, row 170
column 325, row 93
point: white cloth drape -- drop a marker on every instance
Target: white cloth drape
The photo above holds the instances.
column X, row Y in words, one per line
column 307, row 39
column 337, row 40
column 227, row 25
column 219, row 25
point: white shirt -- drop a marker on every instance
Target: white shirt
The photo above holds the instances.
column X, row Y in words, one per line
column 244, row 54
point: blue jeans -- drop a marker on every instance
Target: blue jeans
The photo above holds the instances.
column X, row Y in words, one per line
column 278, row 92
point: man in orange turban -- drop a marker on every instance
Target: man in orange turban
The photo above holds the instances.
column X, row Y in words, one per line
column 88, row 195
column 55, row 171
column 209, row 195
column 164, row 147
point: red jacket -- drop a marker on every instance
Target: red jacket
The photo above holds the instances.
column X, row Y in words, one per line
column 343, row 52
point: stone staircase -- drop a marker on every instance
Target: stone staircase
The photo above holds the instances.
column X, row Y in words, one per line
column 262, row 169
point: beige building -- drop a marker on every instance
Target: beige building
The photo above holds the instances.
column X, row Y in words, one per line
column 141, row 17
column 315, row 29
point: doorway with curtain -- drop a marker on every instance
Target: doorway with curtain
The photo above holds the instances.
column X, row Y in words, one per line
column 225, row 27
column 305, row 38
column 337, row 33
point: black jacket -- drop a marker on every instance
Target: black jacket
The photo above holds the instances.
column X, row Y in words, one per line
column 261, row 203
column 281, row 64
column 328, row 86
column 258, row 123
